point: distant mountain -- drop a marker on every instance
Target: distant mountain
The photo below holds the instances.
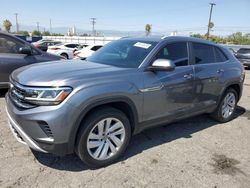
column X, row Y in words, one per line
column 64, row 30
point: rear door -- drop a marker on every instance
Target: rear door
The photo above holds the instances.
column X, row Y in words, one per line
column 209, row 67
column 170, row 93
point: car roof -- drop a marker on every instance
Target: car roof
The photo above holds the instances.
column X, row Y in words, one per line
column 13, row 36
column 244, row 48
column 159, row 39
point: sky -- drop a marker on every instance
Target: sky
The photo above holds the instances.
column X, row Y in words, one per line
column 131, row 15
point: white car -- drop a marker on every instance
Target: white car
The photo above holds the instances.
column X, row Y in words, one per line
column 65, row 50
column 87, row 51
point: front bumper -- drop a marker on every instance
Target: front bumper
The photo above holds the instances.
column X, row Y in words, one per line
column 245, row 62
column 45, row 129
column 21, row 136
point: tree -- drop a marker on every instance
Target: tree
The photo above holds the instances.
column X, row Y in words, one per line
column 25, row 33
column 148, row 29
column 57, row 34
column 46, row 33
column 197, row 35
column 7, row 25
column 235, row 38
column 36, row 33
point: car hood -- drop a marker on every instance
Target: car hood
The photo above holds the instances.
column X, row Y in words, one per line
column 62, row 74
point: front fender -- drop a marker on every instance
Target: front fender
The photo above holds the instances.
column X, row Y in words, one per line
column 86, row 99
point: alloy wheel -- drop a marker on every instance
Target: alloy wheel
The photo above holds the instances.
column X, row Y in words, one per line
column 106, row 138
column 228, row 105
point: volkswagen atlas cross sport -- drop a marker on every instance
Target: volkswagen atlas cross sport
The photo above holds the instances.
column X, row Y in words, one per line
column 93, row 107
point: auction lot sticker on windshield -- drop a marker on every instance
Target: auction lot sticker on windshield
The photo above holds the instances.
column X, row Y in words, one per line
column 142, row 45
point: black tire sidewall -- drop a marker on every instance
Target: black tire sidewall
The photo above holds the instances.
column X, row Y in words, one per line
column 88, row 125
column 65, row 55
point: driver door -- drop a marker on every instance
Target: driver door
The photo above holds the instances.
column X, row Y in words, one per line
column 169, row 93
column 10, row 58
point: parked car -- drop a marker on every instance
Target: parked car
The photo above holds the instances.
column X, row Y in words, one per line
column 15, row 53
column 93, row 107
column 43, row 44
column 243, row 54
column 64, row 50
column 87, row 51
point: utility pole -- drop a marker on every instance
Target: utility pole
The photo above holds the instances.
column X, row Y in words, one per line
column 209, row 26
column 93, row 22
column 50, row 26
column 17, row 26
column 37, row 24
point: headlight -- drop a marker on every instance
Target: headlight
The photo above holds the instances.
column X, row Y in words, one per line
column 46, row 96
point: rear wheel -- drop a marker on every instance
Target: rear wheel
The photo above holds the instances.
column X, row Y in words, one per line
column 226, row 108
column 65, row 55
column 104, row 137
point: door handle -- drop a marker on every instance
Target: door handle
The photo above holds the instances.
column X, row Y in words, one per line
column 220, row 71
column 188, row 76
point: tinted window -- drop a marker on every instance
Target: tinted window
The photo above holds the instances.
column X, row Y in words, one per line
column 9, row 45
column 244, row 50
column 203, row 53
column 177, row 52
column 123, row 53
column 95, row 48
column 71, row 45
column 219, row 55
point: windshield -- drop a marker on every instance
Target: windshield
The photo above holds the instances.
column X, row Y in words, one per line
column 123, row 53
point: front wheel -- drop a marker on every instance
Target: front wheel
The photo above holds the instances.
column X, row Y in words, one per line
column 103, row 137
column 227, row 106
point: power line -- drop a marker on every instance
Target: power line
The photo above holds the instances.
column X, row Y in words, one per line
column 50, row 26
column 17, row 26
column 93, row 22
column 209, row 26
column 37, row 24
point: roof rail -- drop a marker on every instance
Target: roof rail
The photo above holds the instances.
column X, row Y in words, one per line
column 165, row 36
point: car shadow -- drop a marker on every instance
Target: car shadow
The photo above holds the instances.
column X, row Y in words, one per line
column 139, row 143
column 3, row 92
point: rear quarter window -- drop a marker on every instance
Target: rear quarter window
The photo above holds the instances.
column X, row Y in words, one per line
column 203, row 53
column 219, row 55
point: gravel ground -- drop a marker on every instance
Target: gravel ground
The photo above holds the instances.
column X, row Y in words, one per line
column 197, row 152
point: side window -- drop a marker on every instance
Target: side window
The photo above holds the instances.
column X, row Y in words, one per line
column 177, row 52
column 71, row 45
column 219, row 55
column 8, row 45
column 95, row 48
column 203, row 53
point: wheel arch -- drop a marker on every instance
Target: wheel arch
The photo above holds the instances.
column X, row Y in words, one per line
column 234, row 85
column 123, row 104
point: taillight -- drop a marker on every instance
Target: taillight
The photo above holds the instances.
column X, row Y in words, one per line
column 76, row 53
column 54, row 48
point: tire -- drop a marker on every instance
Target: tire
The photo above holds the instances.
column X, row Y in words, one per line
column 218, row 113
column 65, row 55
column 95, row 156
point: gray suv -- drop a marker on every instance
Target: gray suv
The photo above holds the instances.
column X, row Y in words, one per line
column 93, row 107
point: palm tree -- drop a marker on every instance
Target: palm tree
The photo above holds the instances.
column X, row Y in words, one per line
column 7, row 25
column 148, row 29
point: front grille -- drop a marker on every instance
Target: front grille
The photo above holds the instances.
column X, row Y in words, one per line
column 17, row 95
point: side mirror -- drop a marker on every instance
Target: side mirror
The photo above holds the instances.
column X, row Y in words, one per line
column 25, row 50
column 162, row 65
